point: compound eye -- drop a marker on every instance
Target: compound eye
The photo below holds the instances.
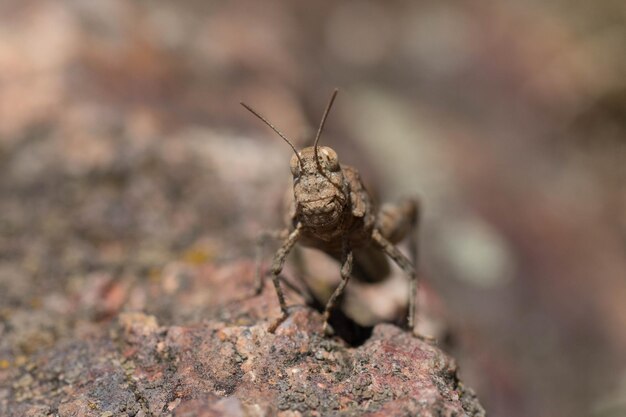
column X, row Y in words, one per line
column 294, row 165
column 332, row 160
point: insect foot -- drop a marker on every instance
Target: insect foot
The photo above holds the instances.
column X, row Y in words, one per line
column 332, row 211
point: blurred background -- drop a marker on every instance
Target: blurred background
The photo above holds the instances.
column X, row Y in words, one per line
column 123, row 150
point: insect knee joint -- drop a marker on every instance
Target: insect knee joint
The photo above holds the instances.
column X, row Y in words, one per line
column 276, row 269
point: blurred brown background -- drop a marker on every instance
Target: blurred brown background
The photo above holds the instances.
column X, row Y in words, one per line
column 123, row 148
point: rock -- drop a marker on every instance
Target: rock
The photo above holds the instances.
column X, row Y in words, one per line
column 234, row 367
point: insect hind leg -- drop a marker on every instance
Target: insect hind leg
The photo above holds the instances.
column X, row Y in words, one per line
column 397, row 220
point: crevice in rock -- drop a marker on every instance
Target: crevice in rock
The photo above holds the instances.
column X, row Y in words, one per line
column 345, row 327
column 349, row 330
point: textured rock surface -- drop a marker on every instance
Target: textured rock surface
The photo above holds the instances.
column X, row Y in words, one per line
column 230, row 365
column 239, row 370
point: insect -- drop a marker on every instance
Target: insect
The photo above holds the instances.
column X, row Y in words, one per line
column 332, row 211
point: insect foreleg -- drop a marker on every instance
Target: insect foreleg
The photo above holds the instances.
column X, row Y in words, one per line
column 346, row 270
column 277, row 267
column 263, row 238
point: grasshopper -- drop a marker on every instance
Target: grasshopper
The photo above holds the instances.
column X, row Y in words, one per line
column 332, row 211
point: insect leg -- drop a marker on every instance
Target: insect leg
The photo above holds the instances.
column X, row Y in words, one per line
column 395, row 221
column 346, row 270
column 406, row 265
column 413, row 232
column 262, row 239
column 277, row 267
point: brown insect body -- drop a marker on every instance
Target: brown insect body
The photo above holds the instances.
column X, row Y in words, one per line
column 332, row 211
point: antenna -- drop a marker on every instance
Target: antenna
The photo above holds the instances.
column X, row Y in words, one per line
column 275, row 130
column 319, row 131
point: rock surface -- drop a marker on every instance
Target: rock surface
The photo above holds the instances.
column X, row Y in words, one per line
column 230, row 365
